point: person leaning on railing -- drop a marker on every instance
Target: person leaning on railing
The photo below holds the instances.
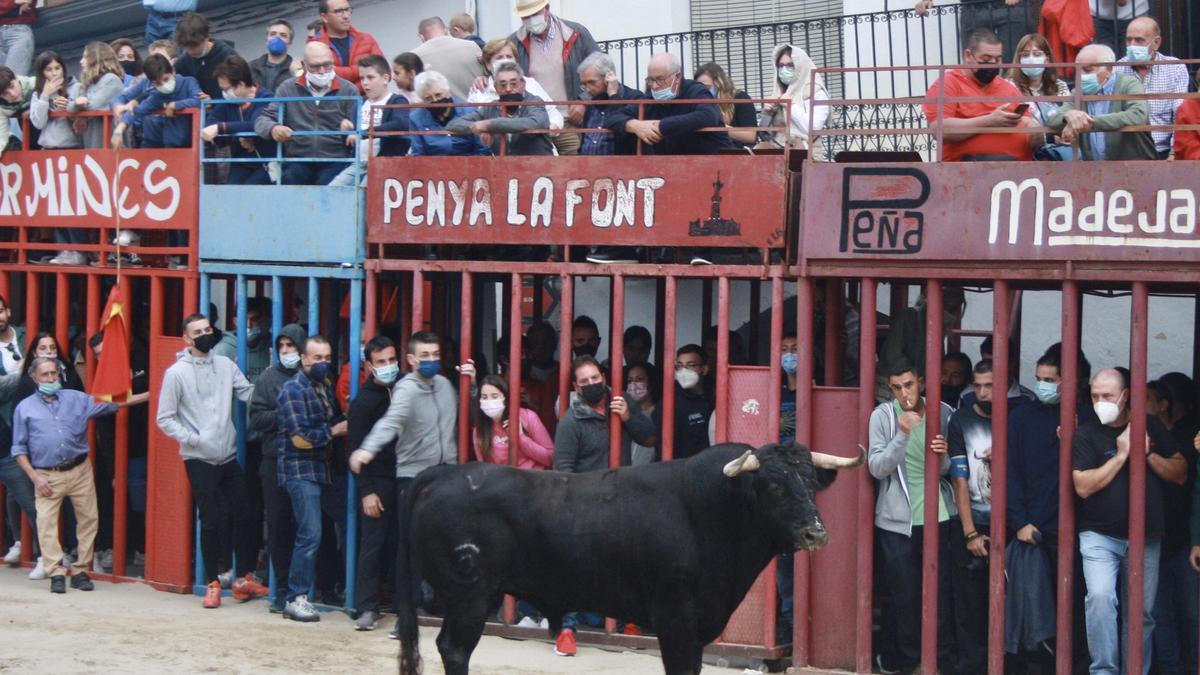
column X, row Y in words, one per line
column 739, row 118
column 375, row 78
column 432, row 87
column 171, row 93
column 960, row 122
column 57, row 133
column 236, row 80
column 794, row 75
column 1034, row 78
column 675, row 129
column 483, row 90
column 1159, row 74
column 598, row 76
column 489, row 122
column 101, row 79
column 15, row 94
column 1099, row 125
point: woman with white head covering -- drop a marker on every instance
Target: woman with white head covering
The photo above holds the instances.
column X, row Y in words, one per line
column 793, row 80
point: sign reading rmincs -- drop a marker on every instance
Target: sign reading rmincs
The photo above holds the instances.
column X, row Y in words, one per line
column 75, row 187
column 692, row 201
column 1001, row 211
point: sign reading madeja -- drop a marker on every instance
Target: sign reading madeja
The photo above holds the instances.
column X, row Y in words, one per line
column 716, row 201
column 1104, row 211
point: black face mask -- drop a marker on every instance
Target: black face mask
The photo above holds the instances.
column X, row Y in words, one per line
column 986, row 75
column 129, row 66
column 511, row 98
column 593, row 393
column 588, row 349
column 442, row 115
column 985, row 407
column 206, row 342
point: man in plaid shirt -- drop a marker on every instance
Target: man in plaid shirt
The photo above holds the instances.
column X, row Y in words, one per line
column 1159, row 73
column 308, row 423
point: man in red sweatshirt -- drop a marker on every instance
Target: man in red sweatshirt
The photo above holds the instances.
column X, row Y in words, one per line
column 348, row 44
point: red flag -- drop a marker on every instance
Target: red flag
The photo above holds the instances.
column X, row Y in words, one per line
column 113, row 380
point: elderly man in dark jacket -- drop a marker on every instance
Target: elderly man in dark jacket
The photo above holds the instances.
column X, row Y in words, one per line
column 489, row 122
column 673, row 129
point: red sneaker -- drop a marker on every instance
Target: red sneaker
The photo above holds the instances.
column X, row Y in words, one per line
column 565, row 644
column 212, row 596
column 247, row 588
column 631, row 629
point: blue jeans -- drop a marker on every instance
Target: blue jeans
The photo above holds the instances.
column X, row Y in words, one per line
column 1175, row 615
column 573, row 619
column 1105, row 571
column 18, row 486
column 311, row 173
column 306, row 506
column 16, row 47
column 159, row 27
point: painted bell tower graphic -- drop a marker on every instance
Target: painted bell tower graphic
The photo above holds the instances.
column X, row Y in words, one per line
column 715, row 225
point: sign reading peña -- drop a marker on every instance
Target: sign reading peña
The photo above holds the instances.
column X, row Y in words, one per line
column 637, row 201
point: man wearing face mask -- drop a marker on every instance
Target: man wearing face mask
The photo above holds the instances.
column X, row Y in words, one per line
column 585, row 336
column 956, row 371
column 693, row 406
column 551, row 49
column 320, row 81
column 377, row 482
column 421, row 424
column 1098, row 127
column 258, row 339
column 1100, row 472
column 962, row 123
column 274, row 68
column 264, row 424
column 490, row 123
column 673, row 129
column 1159, row 74
column 193, row 408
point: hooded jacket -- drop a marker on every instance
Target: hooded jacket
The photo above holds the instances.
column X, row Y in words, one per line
column 194, row 404
column 264, row 405
column 798, row 93
column 893, row 510
column 423, row 420
column 581, row 440
column 204, row 67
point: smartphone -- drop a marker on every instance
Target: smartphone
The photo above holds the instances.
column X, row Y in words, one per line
column 1021, row 108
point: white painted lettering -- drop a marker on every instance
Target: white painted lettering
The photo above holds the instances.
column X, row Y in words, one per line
column 542, row 204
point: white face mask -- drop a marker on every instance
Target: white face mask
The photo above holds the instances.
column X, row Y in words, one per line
column 1107, row 411
column 687, row 378
column 166, row 88
column 536, row 24
column 492, row 407
column 320, row 80
column 229, row 93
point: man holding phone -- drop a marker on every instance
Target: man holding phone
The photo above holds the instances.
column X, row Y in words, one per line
column 965, row 125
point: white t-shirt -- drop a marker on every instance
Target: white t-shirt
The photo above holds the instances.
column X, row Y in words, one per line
column 367, row 147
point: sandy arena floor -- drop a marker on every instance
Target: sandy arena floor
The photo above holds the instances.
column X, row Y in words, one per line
column 131, row 628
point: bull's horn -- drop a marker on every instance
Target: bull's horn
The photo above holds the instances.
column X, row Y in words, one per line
column 821, row 460
column 747, row 462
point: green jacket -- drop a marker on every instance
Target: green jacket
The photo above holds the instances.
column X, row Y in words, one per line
column 1117, row 145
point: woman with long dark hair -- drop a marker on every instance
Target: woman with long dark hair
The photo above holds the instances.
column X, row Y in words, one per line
column 45, row 344
column 490, row 435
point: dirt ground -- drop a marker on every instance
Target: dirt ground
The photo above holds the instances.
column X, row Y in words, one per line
column 131, row 628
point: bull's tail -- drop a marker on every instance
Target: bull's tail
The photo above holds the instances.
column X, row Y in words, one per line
column 408, row 594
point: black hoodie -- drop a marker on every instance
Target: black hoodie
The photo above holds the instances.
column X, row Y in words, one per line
column 263, row 405
column 203, row 68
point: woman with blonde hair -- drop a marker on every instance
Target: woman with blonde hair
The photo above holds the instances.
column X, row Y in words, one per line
column 795, row 80
column 740, row 117
column 483, row 90
column 100, row 80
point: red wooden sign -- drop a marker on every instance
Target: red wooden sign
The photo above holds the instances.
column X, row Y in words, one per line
column 1002, row 211
column 148, row 188
column 711, row 201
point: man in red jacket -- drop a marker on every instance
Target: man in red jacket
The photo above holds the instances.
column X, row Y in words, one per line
column 16, row 34
column 348, row 44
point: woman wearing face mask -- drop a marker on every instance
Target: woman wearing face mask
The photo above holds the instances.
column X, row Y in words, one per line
column 490, row 436
column 794, row 80
column 1035, row 79
column 45, row 344
column 483, row 90
column 642, row 390
column 100, row 80
column 128, row 57
column 432, row 87
column 740, row 118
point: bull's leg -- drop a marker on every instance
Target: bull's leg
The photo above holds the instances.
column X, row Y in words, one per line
column 461, row 629
column 681, row 651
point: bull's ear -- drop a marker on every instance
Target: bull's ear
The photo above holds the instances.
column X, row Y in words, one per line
column 825, row 477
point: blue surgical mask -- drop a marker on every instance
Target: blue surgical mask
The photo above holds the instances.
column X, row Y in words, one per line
column 1137, row 53
column 713, row 91
column 1047, row 392
column 289, row 360
column 789, row 363
column 429, row 368
column 49, row 388
column 664, row 94
column 319, row 372
column 276, row 46
column 253, row 334
column 387, row 374
column 1032, row 66
column 1089, row 83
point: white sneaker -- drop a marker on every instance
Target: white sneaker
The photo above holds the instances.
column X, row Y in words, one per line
column 139, row 559
column 103, row 561
column 38, row 573
column 527, row 622
column 13, row 557
column 69, row 258
column 68, row 560
column 226, row 579
column 544, row 624
column 301, row 610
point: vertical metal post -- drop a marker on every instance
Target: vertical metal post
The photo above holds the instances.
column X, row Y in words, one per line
column 667, row 436
column 205, row 292
column 722, row 411
column 616, row 361
column 356, row 309
column 243, row 359
column 864, row 539
column 278, row 307
column 933, row 475
column 1000, row 376
column 33, row 304
column 514, row 368
column 1065, row 574
column 805, row 330
column 566, row 316
column 314, row 306
column 1134, row 620
column 834, row 292
column 371, row 306
column 774, row 354
column 62, row 315
column 465, row 348
column 418, row 301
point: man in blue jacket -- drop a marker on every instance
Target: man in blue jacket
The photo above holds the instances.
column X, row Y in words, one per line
column 172, row 93
column 231, row 120
column 670, row 129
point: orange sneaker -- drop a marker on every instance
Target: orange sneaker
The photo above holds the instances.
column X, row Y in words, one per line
column 631, row 629
column 565, row 644
column 247, row 588
column 212, row 596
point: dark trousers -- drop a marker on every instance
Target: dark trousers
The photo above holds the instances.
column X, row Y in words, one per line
column 404, row 576
column 311, row 173
column 254, row 492
column 209, row 485
column 248, row 174
column 281, row 527
column 376, row 548
column 901, row 569
column 970, row 579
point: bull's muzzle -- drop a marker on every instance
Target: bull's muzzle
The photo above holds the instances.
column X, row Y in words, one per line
column 812, row 537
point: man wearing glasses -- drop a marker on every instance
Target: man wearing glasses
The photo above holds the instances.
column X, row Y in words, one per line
column 347, row 43
column 318, row 80
column 964, row 138
column 693, row 405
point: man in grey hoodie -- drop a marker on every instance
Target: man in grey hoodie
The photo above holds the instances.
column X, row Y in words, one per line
column 423, row 420
column 897, row 460
column 193, row 408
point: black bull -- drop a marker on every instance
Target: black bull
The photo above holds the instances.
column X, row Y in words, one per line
column 674, row 546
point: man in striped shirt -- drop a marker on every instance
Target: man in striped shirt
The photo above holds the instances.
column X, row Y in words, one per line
column 1159, row 73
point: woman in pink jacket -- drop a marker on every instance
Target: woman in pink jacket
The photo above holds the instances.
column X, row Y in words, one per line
column 536, row 449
